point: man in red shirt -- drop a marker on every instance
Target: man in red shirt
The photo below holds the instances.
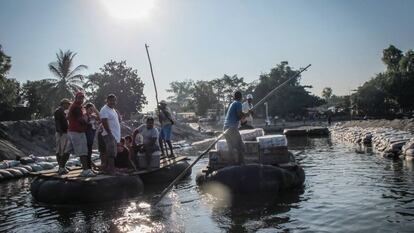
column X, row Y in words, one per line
column 76, row 131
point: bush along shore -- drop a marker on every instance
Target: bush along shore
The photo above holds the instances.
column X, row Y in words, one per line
column 387, row 141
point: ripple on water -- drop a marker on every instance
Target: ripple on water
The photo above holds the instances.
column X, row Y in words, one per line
column 346, row 190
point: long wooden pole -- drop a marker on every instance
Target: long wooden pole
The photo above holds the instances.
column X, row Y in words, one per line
column 156, row 92
column 168, row 188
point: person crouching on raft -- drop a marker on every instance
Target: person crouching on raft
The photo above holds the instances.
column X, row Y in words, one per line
column 150, row 140
column 231, row 122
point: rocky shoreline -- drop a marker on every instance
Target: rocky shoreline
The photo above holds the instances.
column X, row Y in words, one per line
column 37, row 137
column 397, row 124
column 390, row 138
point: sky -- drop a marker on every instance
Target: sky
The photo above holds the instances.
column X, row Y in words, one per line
column 203, row 40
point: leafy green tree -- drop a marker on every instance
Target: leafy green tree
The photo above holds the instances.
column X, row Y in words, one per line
column 5, row 64
column 371, row 99
column 293, row 98
column 36, row 93
column 204, row 97
column 9, row 88
column 407, row 62
column 391, row 56
column 121, row 80
column 182, row 93
column 392, row 90
column 327, row 93
column 67, row 80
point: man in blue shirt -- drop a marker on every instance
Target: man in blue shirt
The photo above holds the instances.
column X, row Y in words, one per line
column 231, row 122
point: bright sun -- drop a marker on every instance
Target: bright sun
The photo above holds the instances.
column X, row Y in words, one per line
column 129, row 9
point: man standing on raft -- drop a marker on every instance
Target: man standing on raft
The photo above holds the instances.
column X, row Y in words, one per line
column 77, row 143
column 166, row 127
column 247, row 121
column 231, row 122
column 61, row 124
column 111, row 133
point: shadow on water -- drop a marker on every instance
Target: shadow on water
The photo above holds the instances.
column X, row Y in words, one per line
column 304, row 142
column 347, row 189
column 254, row 212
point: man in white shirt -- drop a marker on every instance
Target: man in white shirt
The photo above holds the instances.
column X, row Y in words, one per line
column 247, row 121
column 111, row 132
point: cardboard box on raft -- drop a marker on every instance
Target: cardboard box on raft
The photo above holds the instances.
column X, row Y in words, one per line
column 155, row 160
column 251, row 147
column 272, row 159
column 219, row 159
column 222, row 159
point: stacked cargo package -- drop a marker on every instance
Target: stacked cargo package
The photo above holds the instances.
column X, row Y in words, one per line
column 269, row 149
column 273, row 149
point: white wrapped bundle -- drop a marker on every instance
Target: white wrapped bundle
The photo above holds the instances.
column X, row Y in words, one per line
column 221, row 145
column 272, row 141
column 251, row 134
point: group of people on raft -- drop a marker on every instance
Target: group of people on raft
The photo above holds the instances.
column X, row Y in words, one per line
column 77, row 124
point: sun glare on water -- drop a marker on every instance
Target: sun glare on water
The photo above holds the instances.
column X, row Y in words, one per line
column 129, row 9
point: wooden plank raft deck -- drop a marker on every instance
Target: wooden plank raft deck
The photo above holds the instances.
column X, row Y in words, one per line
column 75, row 171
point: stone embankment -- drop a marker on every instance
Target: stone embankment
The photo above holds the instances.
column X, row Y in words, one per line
column 385, row 139
column 22, row 138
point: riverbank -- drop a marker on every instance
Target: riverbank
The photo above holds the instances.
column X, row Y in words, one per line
column 37, row 137
column 385, row 137
column 397, row 124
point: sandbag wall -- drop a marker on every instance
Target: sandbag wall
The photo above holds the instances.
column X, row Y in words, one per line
column 30, row 165
column 387, row 141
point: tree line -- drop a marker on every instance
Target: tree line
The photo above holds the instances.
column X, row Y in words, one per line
column 42, row 96
column 201, row 96
column 389, row 92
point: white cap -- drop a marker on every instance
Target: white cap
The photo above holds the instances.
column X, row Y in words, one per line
column 249, row 96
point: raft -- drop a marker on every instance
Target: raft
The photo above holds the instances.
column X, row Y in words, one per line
column 50, row 188
column 270, row 167
column 255, row 178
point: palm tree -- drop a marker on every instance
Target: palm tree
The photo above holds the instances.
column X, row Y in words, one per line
column 67, row 81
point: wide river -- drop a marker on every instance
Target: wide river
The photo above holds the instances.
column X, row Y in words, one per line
column 346, row 190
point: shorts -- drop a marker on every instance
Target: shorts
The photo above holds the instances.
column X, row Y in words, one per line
column 77, row 144
column 61, row 143
column 110, row 146
column 166, row 131
column 234, row 140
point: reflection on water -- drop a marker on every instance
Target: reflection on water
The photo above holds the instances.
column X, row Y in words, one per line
column 347, row 189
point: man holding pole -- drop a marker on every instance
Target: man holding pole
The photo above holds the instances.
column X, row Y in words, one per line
column 231, row 122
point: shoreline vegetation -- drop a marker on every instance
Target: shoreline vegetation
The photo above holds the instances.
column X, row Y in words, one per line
column 387, row 94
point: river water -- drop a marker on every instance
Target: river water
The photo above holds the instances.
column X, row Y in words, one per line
column 347, row 189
